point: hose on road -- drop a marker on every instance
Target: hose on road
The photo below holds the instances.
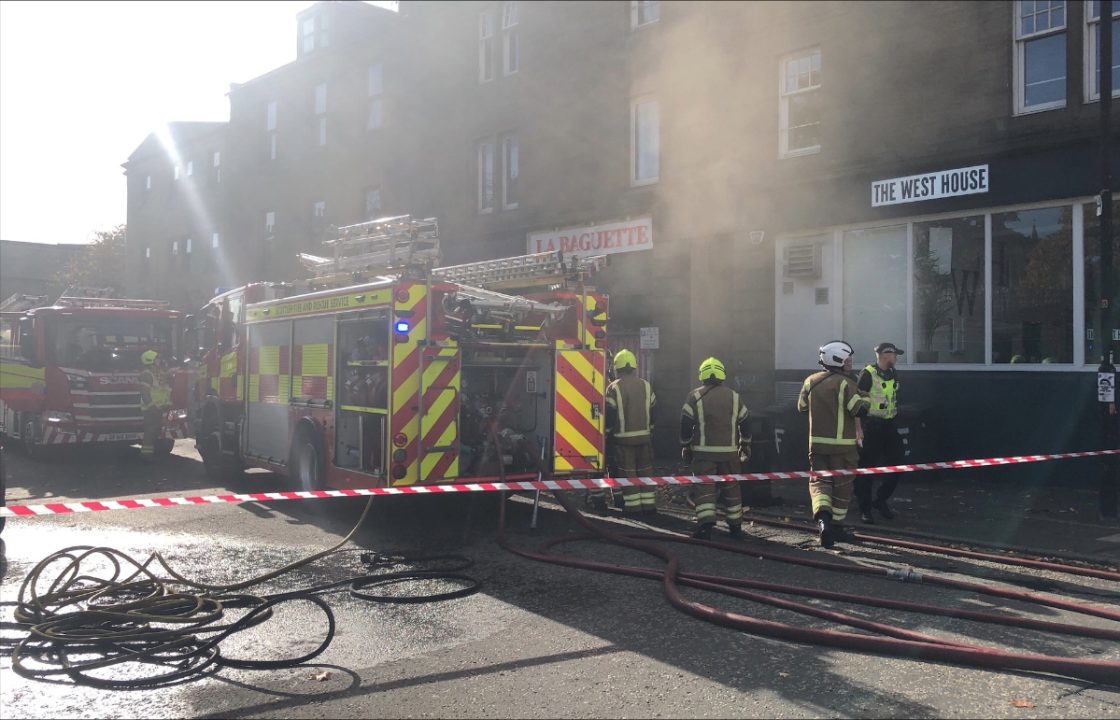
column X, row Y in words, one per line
column 103, row 618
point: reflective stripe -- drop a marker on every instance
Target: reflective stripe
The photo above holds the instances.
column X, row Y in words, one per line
column 884, row 395
column 700, row 412
column 705, row 510
column 840, row 413
column 832, row 441
column 621, row 407
column 734, row 512
column 687, row 410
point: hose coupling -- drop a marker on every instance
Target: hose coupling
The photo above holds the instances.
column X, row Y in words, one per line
column 906, row 574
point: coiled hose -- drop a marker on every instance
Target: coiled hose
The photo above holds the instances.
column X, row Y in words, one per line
column 146, row 613
column 898, row 642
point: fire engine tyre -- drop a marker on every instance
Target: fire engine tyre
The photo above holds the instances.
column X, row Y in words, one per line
column 219, row 467
column 163, row 447
column 307, row 459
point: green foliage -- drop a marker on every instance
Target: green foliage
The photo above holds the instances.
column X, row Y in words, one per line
column 101, row 265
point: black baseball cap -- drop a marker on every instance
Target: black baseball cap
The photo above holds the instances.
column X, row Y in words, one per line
column 886, row 347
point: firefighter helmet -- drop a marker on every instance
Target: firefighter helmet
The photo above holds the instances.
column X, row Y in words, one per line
column 712, row 369
column 834, row 353
column 148, row 357
column 625, row 359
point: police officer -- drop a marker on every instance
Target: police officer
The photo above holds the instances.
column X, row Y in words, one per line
column 155, row 399
column 834, row 405
column 630, row 402
column 715, row 440
column 882, row 445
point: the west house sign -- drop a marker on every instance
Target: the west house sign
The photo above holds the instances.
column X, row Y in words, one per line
column 930, row 186
column 606, row 239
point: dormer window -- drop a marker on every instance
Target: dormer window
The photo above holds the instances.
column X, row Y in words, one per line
column 313, row 33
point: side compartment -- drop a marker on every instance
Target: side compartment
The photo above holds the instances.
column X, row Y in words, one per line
column 578, row 411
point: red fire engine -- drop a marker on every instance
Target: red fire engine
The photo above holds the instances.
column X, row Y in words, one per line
column 69, row 372
column 390, row 371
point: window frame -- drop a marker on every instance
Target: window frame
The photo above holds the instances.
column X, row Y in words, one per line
column 636, row 15
column 486, row 142
column 486, row 42
column 376, row 96
column 504, row 141
column 511, row 37
column 1019, row 59
column 635, row 102
column 374, row 214
column 215, row 240
column 270, row 223
column 784, row 150
column 1092, row 51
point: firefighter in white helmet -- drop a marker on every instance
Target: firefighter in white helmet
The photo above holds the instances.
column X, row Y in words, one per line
column 630, row 402
column 715, row 440
column 834, row 404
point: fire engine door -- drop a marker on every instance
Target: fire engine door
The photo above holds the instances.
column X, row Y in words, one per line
column 439, row 421
column 578, row 418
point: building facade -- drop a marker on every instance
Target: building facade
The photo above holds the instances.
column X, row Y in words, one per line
column 765, row 176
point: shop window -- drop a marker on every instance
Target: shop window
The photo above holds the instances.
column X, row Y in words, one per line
column 1032, row 286
column 1093, row 50
column 799, row 109
column 1040, row 55
column 1092, row 233
column 949, row 298
column 875, row 282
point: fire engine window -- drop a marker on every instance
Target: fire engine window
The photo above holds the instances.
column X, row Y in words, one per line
column 9, row 348
column 363, row 360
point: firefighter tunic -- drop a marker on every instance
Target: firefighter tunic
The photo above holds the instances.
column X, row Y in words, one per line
column 630, row 402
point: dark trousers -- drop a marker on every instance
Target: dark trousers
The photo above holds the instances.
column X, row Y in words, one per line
column 1110, row 465
column 882, row 445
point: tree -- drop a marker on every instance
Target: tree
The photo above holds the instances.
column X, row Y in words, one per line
column 102, row 264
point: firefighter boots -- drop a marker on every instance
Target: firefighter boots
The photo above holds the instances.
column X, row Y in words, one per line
column 884, row 509
column 704, row 532
column 824, row 529
column 865, row 516
column 736, row 531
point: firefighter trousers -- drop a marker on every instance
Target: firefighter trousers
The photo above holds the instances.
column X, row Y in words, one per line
column 708, row 495
column 636, row 461
column 832, row 493
column 153, row 426
column 882, row 445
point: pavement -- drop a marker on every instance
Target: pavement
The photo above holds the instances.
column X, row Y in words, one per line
column 540, row 640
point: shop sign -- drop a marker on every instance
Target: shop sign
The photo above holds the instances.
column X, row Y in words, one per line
column 930, row 186
column 588, row 240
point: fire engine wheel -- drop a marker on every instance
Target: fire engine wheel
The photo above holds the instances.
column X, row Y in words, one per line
column 164, row 446
column 307, row 461
column 29, row 435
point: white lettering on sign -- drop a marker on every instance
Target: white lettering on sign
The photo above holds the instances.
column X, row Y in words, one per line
column 930, row 186
column 1106, row 387
column 607, row 239
column 649, row 338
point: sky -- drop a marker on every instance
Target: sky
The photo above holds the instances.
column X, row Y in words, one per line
column 83, row 83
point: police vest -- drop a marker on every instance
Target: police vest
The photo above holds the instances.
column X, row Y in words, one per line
column 883, row 395
column 159, row 393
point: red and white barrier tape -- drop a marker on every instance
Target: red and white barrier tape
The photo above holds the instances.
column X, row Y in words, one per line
column 137, row 504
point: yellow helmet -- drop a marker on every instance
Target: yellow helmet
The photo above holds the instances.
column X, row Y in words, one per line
column 712, row 369
column 148, row 357
column 625, row 359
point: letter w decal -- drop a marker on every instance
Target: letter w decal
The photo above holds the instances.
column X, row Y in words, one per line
column 965, row 294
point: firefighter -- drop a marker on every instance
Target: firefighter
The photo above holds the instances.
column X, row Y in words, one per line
column 882, row 445
column 715, row 440
column 630, row 402
column 834, row 404
column 155, row 399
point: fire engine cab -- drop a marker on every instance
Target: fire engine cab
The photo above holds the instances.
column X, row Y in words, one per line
column 391, row 370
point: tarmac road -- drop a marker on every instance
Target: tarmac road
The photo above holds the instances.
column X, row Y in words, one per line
column 545, row 641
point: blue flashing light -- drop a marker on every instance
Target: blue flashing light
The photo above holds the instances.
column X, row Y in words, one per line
column 402, row 327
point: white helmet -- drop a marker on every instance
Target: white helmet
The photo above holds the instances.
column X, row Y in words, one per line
column 834, row 353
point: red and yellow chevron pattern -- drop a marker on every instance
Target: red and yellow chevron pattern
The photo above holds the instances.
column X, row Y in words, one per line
column 580, row 383
column 440, row 425
column 410, row 302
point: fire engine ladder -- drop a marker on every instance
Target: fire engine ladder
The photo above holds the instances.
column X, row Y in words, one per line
column 375, row 247
column 521, row 272
column 109, row 302
column 20, row 302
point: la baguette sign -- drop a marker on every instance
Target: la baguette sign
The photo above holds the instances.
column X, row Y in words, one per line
column 930, row 186
column 606, row 239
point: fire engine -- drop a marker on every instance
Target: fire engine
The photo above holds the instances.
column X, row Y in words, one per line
column 390, row 370
column 69, row 372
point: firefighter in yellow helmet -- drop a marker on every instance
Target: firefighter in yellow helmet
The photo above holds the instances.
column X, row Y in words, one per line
column 155, row 399
column 630, row 402
column 834, row 404
column 715, row 440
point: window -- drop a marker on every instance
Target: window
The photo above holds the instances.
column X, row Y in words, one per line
column 375, row 82
column 270, row 122
column 644, row 12
column 217, row 159
column 319, row 209
column 511, row 49
column 1032, row 286
column 148, row 182
column 321, row 111
column 510, row 171
column 1040, row 55
column 174, row 247
column 1093, row 50
column 1092, row 245
column 190, row 168
column 272, row 146
column 177, row 171
column 373, row 203
column 188, row 246
column 486, row 46
column 486, row 176
column 269, row 222
column 216, row 168
column 215, row 241
column 875, row 282
column 799, row 111
column 645, row 141
column 949, row 299
column 147, row 252
column 322, row 131
column 307, row 38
